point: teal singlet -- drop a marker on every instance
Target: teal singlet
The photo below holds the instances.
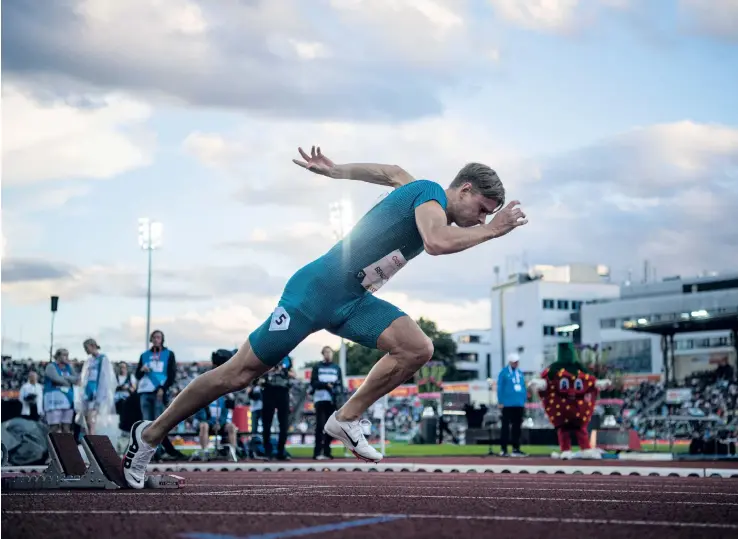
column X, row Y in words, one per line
column 335, row 292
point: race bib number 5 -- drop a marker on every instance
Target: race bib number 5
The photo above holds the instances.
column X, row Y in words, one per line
column 374, row 276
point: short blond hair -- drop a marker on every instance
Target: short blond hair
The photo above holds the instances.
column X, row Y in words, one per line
column 483, row 180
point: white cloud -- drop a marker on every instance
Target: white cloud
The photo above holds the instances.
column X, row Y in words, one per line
column 426, row 32
column 537, row 14
column 173, row 28
column 431, row 148
column 213, row 149
column 717, row 18
column 56, row 141
column 260, row 56
column 301, row 241
column 556, row 16
column 33, row 280
column 310, row 50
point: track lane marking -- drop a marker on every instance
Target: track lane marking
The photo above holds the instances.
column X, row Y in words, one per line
column 492, row 518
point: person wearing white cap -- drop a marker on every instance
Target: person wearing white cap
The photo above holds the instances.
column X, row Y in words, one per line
column 511, row 396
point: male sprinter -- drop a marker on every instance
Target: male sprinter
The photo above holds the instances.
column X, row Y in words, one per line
column 335, row 293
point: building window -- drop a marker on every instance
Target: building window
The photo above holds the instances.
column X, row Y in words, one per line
column 562, row 304
column 471, row 358
column 469, row 339
column 629, row 357
column 548, row 304
column 576, row 305
column 608, row 323
column 549, row 330
column 521, row 349
column 520, row 323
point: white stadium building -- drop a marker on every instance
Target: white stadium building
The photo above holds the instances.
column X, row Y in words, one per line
column 691, row 321
column 700, row 316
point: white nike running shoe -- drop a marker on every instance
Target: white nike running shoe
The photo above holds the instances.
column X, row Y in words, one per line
column 351, row 434
column 137, row 457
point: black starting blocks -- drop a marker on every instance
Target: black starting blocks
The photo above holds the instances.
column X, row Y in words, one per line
column 67, row 469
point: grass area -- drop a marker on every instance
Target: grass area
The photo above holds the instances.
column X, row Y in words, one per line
column 399, row 449
column 403, row 449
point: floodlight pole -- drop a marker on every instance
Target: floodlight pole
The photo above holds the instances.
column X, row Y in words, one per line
column 148, row 298
column 147, row 230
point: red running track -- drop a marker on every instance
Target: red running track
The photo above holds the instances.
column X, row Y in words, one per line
column 275, row 505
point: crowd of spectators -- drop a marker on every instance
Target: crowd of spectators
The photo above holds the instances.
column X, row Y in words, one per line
column 714, row 394
column 15, row 371
column 641, row 398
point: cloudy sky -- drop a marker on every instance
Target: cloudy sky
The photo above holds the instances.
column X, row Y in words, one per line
column 613, row 121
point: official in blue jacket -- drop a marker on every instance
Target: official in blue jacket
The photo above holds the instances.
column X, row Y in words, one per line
column 511, row 396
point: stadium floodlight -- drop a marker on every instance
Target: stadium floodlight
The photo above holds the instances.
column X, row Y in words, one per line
column 702, row 313
column 342, row 220
column 149, row 238
column 341, row 217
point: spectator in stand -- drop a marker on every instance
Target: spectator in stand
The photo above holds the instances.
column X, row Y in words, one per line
column 511, row 396
column 32, row 397
column 98, row 384
column 326, row 381
column 59, row 381
column 724, row 371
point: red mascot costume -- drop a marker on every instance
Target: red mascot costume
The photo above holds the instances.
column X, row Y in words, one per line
column 568, row 394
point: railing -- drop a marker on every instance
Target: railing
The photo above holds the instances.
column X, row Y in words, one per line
column 673, row 424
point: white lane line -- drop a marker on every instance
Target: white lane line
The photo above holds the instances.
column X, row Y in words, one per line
column 525, row 498
column 263, row 490
column 534, row 489
column 490, row 482
column 171, row 492
column 287, row 493
column 498, row 518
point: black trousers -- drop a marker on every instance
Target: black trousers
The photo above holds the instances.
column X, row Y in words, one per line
column 323, row 410
column 275, row 398
column 512, row 416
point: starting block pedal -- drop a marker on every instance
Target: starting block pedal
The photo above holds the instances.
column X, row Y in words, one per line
column 67, row 469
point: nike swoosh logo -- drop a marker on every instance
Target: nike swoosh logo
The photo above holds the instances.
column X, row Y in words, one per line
column 355, row 443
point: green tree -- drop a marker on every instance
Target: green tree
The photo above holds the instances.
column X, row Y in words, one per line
column 444, row 349
column 360, row 360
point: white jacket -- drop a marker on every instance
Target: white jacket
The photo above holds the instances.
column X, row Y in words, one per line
column 29, row 389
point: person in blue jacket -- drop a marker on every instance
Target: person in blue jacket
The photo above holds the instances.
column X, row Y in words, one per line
column 511, row 396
